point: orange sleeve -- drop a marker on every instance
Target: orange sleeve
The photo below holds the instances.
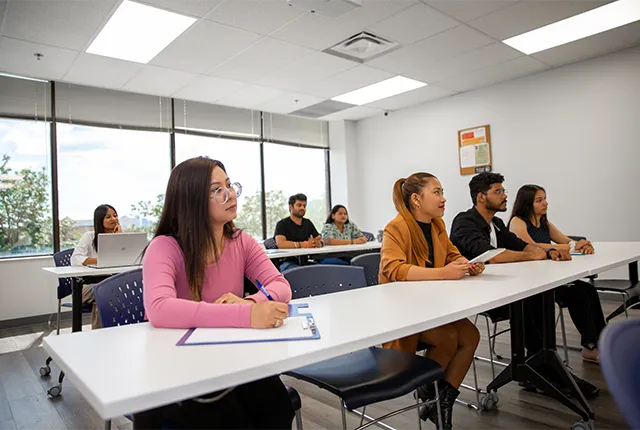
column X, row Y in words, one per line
column 393, row 260
column 452, row 252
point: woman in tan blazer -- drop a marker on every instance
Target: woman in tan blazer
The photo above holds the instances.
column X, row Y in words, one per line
column 416, row 247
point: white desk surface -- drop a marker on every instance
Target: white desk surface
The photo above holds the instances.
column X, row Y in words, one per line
column 132, row 368
column 328, row 249
column 78, row 271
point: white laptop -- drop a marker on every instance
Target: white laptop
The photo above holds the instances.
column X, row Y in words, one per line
column 120, row 249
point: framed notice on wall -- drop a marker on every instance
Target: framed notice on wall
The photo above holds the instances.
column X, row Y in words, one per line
column 474, row 150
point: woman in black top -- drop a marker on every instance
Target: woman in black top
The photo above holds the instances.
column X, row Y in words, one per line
column 529, row 222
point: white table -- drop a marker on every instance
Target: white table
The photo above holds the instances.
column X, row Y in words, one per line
column 325, row 250
column 76, row 272
column 133, row 368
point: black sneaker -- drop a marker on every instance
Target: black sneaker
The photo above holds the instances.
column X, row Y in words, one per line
column 589, row 391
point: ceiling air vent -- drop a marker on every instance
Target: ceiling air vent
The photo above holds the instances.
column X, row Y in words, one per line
column 362, row 47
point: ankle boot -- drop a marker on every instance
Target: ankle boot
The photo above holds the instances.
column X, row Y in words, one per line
column 448, row 396
column 426, row 392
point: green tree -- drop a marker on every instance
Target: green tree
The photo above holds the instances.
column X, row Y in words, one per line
column 250, row 216
column 24, row 207
column 150, row 210
column 317, row 212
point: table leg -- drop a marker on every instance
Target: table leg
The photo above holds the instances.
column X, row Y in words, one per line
column 76, row 304
column 527, row 370
column 633, row 272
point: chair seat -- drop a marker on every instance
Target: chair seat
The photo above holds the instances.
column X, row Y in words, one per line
column 86, row 307
column 296, row 402
column 371, row 375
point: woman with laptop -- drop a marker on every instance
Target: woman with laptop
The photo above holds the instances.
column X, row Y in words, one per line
column 193, row 273
column 416, row 247
column 105, row 220
column 529, row 222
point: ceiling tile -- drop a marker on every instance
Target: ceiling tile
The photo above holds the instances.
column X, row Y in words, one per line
column 477, row 59
column 352, row 79
column 353, row 114
column 258, row 16
column 301, row 75
column 599, row 44
column 195, row 8
column 467, row 10
column 250, row 96
column 288, row 102
column 159, row 81
column 413, row 24
column 261, row 59
column 528, row 15
column 64, row 23
column 208, row 89
column 520, row 66
column 99, row 71
column 412, row 98
column 204, row 46
column 16, row 56
column 318, row 32
column 412, row 60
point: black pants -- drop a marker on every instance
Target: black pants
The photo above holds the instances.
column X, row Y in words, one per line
column 583, row 302
column 262, row 404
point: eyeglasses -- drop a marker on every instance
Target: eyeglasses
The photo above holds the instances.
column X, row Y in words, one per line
column 499, row 193
column 221, row 194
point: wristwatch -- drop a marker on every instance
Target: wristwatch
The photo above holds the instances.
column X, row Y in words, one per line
column 549, row 252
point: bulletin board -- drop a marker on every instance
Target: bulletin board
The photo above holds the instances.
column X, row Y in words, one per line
column 474, row 150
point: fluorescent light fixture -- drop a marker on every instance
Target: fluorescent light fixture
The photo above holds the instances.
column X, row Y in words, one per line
column 577, row 27
column 381, row 90
column 26, row 78
column 218, row 132
column 137, row 32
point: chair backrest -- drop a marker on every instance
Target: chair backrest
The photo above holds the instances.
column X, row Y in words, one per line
column 371, row 265
column 119, row 299
column 321, row 279
column 370, row 237
column 271, row 243
column 619, row 357
column 62, row 259
column 577, row 238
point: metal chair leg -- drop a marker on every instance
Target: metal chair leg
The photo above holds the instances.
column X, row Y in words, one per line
column 418, row 401
column 298, row 420
column 493, row 370
column 475, row 383
column 107, row 425
column 364, row 411
column 564, row 338
column 438, row 405
column 58, row 317
column 343, row 411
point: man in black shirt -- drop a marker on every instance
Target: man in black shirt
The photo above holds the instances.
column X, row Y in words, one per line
column 296, row 231
column 478, row 230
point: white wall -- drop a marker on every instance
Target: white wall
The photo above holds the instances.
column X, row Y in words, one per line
column 25, row 289
column 343, row 159
column 574, row 130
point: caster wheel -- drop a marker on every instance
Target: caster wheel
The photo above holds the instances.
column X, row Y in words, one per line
column 45, row 371
column 489, row 401
column 55, row 391
column 581, row 425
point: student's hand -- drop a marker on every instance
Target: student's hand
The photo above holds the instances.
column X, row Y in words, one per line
column 310, row 243
column 360, row 240
column 559, row 255
column 319, row 242
column 117, row 228
column 539, row 254
column 231, row 299
column 476, row 269
column 565, row 254
column 268, row 314
column 455, row 270
column 585, row 247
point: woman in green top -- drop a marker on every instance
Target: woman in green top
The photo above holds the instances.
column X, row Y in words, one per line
column 338, row 230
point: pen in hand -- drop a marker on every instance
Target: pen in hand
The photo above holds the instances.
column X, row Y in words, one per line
column 264, row 290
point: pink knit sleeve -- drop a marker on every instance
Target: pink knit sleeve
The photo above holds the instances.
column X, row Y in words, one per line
column 162, row 306
column 257, row 266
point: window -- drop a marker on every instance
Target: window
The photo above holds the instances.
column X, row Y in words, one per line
column 25, row 188
column 242, row 161
column 290, row 170
column 127, row 169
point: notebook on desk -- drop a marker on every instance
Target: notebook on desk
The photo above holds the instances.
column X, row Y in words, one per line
column 297, row 326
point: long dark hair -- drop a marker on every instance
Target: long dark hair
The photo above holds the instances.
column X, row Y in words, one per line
column 523, row 207
column 403, row 189
column 185, row 217
column 98, row 222
column 334, row 211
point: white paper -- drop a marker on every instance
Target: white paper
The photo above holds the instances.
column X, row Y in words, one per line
column 478, row 132
column 293, row 328
column 486, row 256
column 482, row 154
column 467, row 156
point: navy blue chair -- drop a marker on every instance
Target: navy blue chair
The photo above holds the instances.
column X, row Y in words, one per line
column 371, row 265
column 367, row 376
column 271, row 243
column 119, row 299
column 619, row 358
column 370, row 237
column 61, row 259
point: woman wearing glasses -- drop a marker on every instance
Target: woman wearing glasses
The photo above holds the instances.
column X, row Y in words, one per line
column 194, row 272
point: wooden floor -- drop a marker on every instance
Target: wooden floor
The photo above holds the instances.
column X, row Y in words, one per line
column 24, row 403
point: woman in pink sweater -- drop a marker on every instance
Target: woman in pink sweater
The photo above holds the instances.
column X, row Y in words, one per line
column 193, row 273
